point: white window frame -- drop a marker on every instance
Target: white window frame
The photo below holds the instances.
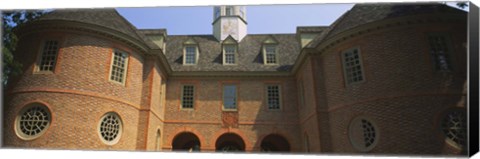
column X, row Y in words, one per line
column 265, row 60
column 183, row 95
column 360, row 63
column 279, row 93
column 235, row 57
column 124, row 77
column 41, row 56
column 185, row 54
column 235, row 98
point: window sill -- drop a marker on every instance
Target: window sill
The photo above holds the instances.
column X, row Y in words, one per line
column 43, row 73
column 229, row 110
column 187, row 109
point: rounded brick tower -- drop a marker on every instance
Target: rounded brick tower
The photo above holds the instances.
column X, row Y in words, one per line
column 390, row 79
column 81, row 86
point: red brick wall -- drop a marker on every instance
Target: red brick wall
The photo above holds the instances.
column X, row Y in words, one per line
column 402, row 92
column 308, row 113
column 206, row 118
column 78, row 92
column 75, row 120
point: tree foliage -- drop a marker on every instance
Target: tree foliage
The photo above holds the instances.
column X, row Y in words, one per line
column 462, row 5
column 10, row 21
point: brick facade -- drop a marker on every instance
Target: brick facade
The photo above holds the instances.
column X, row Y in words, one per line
column 402, row 94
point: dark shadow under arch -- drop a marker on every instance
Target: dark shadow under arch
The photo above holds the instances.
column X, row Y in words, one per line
column 186, row 141
column 230, row 142
column 274, row 143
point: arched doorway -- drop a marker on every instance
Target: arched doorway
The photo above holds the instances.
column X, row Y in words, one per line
column 274, row 143
column 157, row 140
column 186, row 141
column 230, row 142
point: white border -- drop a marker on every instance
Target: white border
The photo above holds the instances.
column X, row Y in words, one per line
column 47, row 4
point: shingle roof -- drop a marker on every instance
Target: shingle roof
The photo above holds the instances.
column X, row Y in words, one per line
column 362, row 14
column 311, row 29
column 250, row 56
column 102, row 17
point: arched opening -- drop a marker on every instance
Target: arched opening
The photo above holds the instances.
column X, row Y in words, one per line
column 186, row 141
column 230, row 142
column 157, row 140
column 274, row 143
column 306, row 143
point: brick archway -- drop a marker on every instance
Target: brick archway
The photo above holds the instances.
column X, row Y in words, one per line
column 274, row 132
column 248, row 143
column 185, row 129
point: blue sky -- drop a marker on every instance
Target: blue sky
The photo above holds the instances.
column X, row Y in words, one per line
column 262, row 19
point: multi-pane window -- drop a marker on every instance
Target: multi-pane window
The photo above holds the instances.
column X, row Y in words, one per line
column 190, row 54
column 229, row 97
column 187, row 98
column 228, row 11
column 229, row 51
column 363, row 134
column 439, row 48
column 352, row 66
column 49, row 56
column 270, row 54
column 273, row 97
column 119, row 66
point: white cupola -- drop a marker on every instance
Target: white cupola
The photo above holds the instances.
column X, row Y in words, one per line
column 229, row 20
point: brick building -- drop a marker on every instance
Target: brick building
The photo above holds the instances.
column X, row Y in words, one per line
column 383, row 78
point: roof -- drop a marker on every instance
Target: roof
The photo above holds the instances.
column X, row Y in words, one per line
column 311, row 29
column 250, row 56
column 362, row 14
column 109, row 18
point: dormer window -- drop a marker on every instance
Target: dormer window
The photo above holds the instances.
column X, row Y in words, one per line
column 228, row 11
column 190, row 52
column 229, row 52
column 229, row 49
column 270, row 56
column 190, row 55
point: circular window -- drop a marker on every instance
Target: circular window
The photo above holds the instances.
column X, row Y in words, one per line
column 454, row 127
column 110, row 128
column 32, row 121
column 363, row 134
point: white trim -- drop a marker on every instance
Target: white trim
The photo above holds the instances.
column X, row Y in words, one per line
column 185, row 54
column 279, row 88
column 124, row 78
column 345, row 67
column 120, row 129
column 264, row 50
column 235, row 54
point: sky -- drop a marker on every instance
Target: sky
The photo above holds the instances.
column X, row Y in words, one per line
column 261, row 19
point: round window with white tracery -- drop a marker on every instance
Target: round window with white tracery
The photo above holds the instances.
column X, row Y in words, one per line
column 363, row 134
column 110, row 128
column 32, row 121
column 454, row 127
